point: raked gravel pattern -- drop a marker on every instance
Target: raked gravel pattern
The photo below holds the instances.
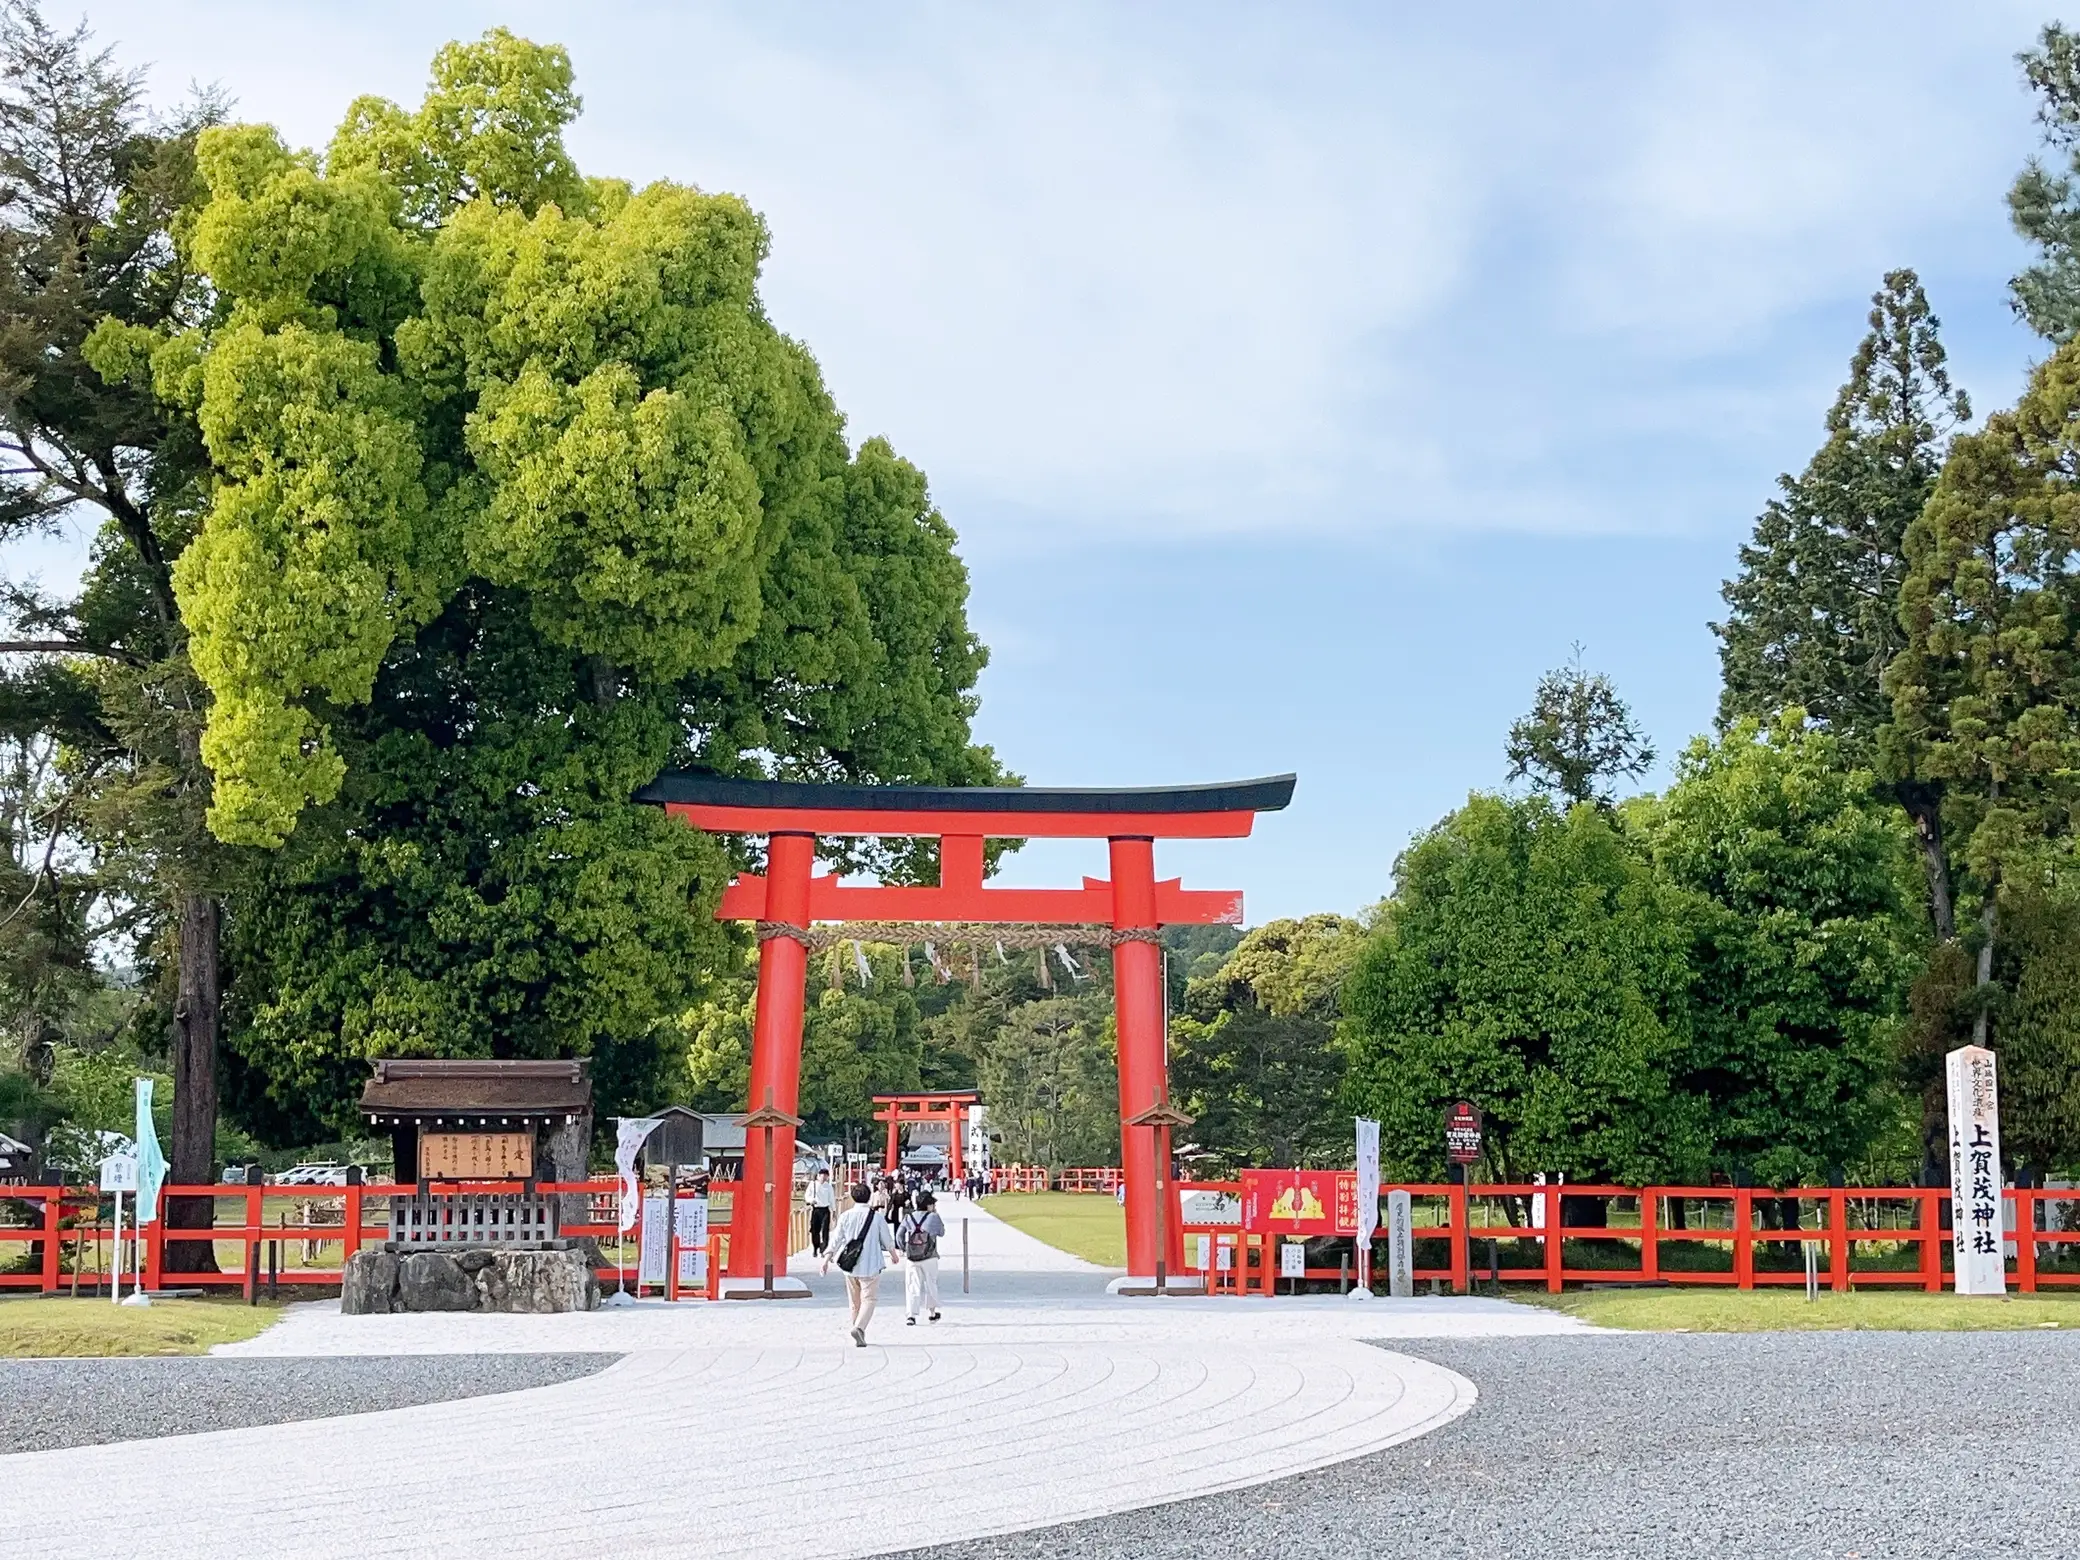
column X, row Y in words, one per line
column 1794, row 1446
column 47, row 1404
column 747, row 1429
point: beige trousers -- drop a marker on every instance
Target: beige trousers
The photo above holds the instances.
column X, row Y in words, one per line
column 860, row 1297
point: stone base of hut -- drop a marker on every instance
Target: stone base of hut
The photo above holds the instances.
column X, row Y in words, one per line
column 378, row 1282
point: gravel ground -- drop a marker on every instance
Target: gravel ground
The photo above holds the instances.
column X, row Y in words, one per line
column 51, row 1403
column 1787, row 1445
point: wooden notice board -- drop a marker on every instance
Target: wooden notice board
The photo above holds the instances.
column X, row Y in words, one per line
column 476, row 1156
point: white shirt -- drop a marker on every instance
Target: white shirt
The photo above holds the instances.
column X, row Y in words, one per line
column 880, row 1243
column 820, row 1194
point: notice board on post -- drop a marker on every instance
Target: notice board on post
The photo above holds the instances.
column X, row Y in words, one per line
column 1300, row 1202
column 476, row 1156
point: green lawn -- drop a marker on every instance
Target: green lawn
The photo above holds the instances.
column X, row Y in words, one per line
column 1089, row 1225
column 1781, row 1310
column 50, row 1327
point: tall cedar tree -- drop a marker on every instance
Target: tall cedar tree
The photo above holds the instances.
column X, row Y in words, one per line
column 1813, row 616
column 90, row 191
column 2043, row 202
column 1985, row 690
column 1578, row 737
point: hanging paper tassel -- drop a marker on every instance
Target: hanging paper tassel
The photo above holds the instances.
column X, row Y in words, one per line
column 1002, row 956
column 1061, row 952
column 941, row 970
column 859, row 958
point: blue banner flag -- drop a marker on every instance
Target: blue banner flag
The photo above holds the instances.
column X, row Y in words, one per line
column 151, row 1164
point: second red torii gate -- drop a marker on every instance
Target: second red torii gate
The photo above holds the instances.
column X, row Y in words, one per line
column 790, row 898
column 948, row 1105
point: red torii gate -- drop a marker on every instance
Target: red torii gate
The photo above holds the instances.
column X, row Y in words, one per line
column 948, row 1105
column 790, row 898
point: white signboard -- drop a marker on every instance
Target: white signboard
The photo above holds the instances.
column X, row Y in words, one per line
column 1209, row 1208
column 650, row 1266
column 119, row 1173
column 692, row 1218
column 1401, row 1246
column 1975, row 1172
column 1292, row 1260
column 1204, row 1252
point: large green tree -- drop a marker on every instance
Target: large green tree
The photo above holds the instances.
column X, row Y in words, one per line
column 1257, row 1058
column 1802, row 946
column 1530, row 962
column 1813, row 615
column 515, row 497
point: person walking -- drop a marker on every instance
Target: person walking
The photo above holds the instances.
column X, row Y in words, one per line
column 861, row 1246
column 820, row 1196
column 917, row 1238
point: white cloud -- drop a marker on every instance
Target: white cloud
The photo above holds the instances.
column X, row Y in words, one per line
column 1185, row 269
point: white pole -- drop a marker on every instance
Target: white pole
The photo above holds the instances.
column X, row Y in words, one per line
column 115, row 1254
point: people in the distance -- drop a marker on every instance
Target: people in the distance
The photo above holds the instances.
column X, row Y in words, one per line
column 917, row 1239
column 861, row 1246
column 820, row 1197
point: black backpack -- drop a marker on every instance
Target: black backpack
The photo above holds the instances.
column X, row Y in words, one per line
column 919, row 1242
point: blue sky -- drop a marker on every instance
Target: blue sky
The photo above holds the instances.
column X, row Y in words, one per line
column 1303, row 380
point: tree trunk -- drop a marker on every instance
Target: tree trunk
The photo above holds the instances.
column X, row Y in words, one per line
column 1982, row 1016
column 1924, row 806
column 193, row 1157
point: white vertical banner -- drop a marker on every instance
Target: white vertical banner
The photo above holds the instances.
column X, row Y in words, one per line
column 1368, row 1198
column 1401, row 1245
column 1975, row 1172
column 629, row 1133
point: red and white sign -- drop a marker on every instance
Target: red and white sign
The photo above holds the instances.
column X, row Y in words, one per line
column 1462, row 1134
column 1300, row 1202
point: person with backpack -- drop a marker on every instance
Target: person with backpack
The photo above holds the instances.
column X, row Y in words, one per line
column 917, row 1238
column 861, row 1246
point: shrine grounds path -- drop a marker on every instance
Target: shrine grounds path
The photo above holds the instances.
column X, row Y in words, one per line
column 731, row 1429
column 1043, row 1419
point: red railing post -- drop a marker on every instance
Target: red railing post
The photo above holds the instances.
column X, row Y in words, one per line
column 1462, row 1238
column 1743, row 1238
column 154, row 1237
column 1650, row 1234
column 2025, row 1238
column 1932, row 1239
column 352, row 1243
column 251, row 1238
column 53, row 1222
column 1838, row 1239
column 1553, row 1241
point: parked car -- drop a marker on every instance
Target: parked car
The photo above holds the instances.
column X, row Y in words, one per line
column 318, row 1173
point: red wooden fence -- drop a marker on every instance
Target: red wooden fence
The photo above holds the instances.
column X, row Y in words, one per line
column 1473, row 1226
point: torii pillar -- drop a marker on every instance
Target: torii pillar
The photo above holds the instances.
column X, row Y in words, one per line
column 1144, row 1047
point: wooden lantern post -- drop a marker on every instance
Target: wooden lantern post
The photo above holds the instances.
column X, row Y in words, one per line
column 1163, row 1117
column 768, row 1119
